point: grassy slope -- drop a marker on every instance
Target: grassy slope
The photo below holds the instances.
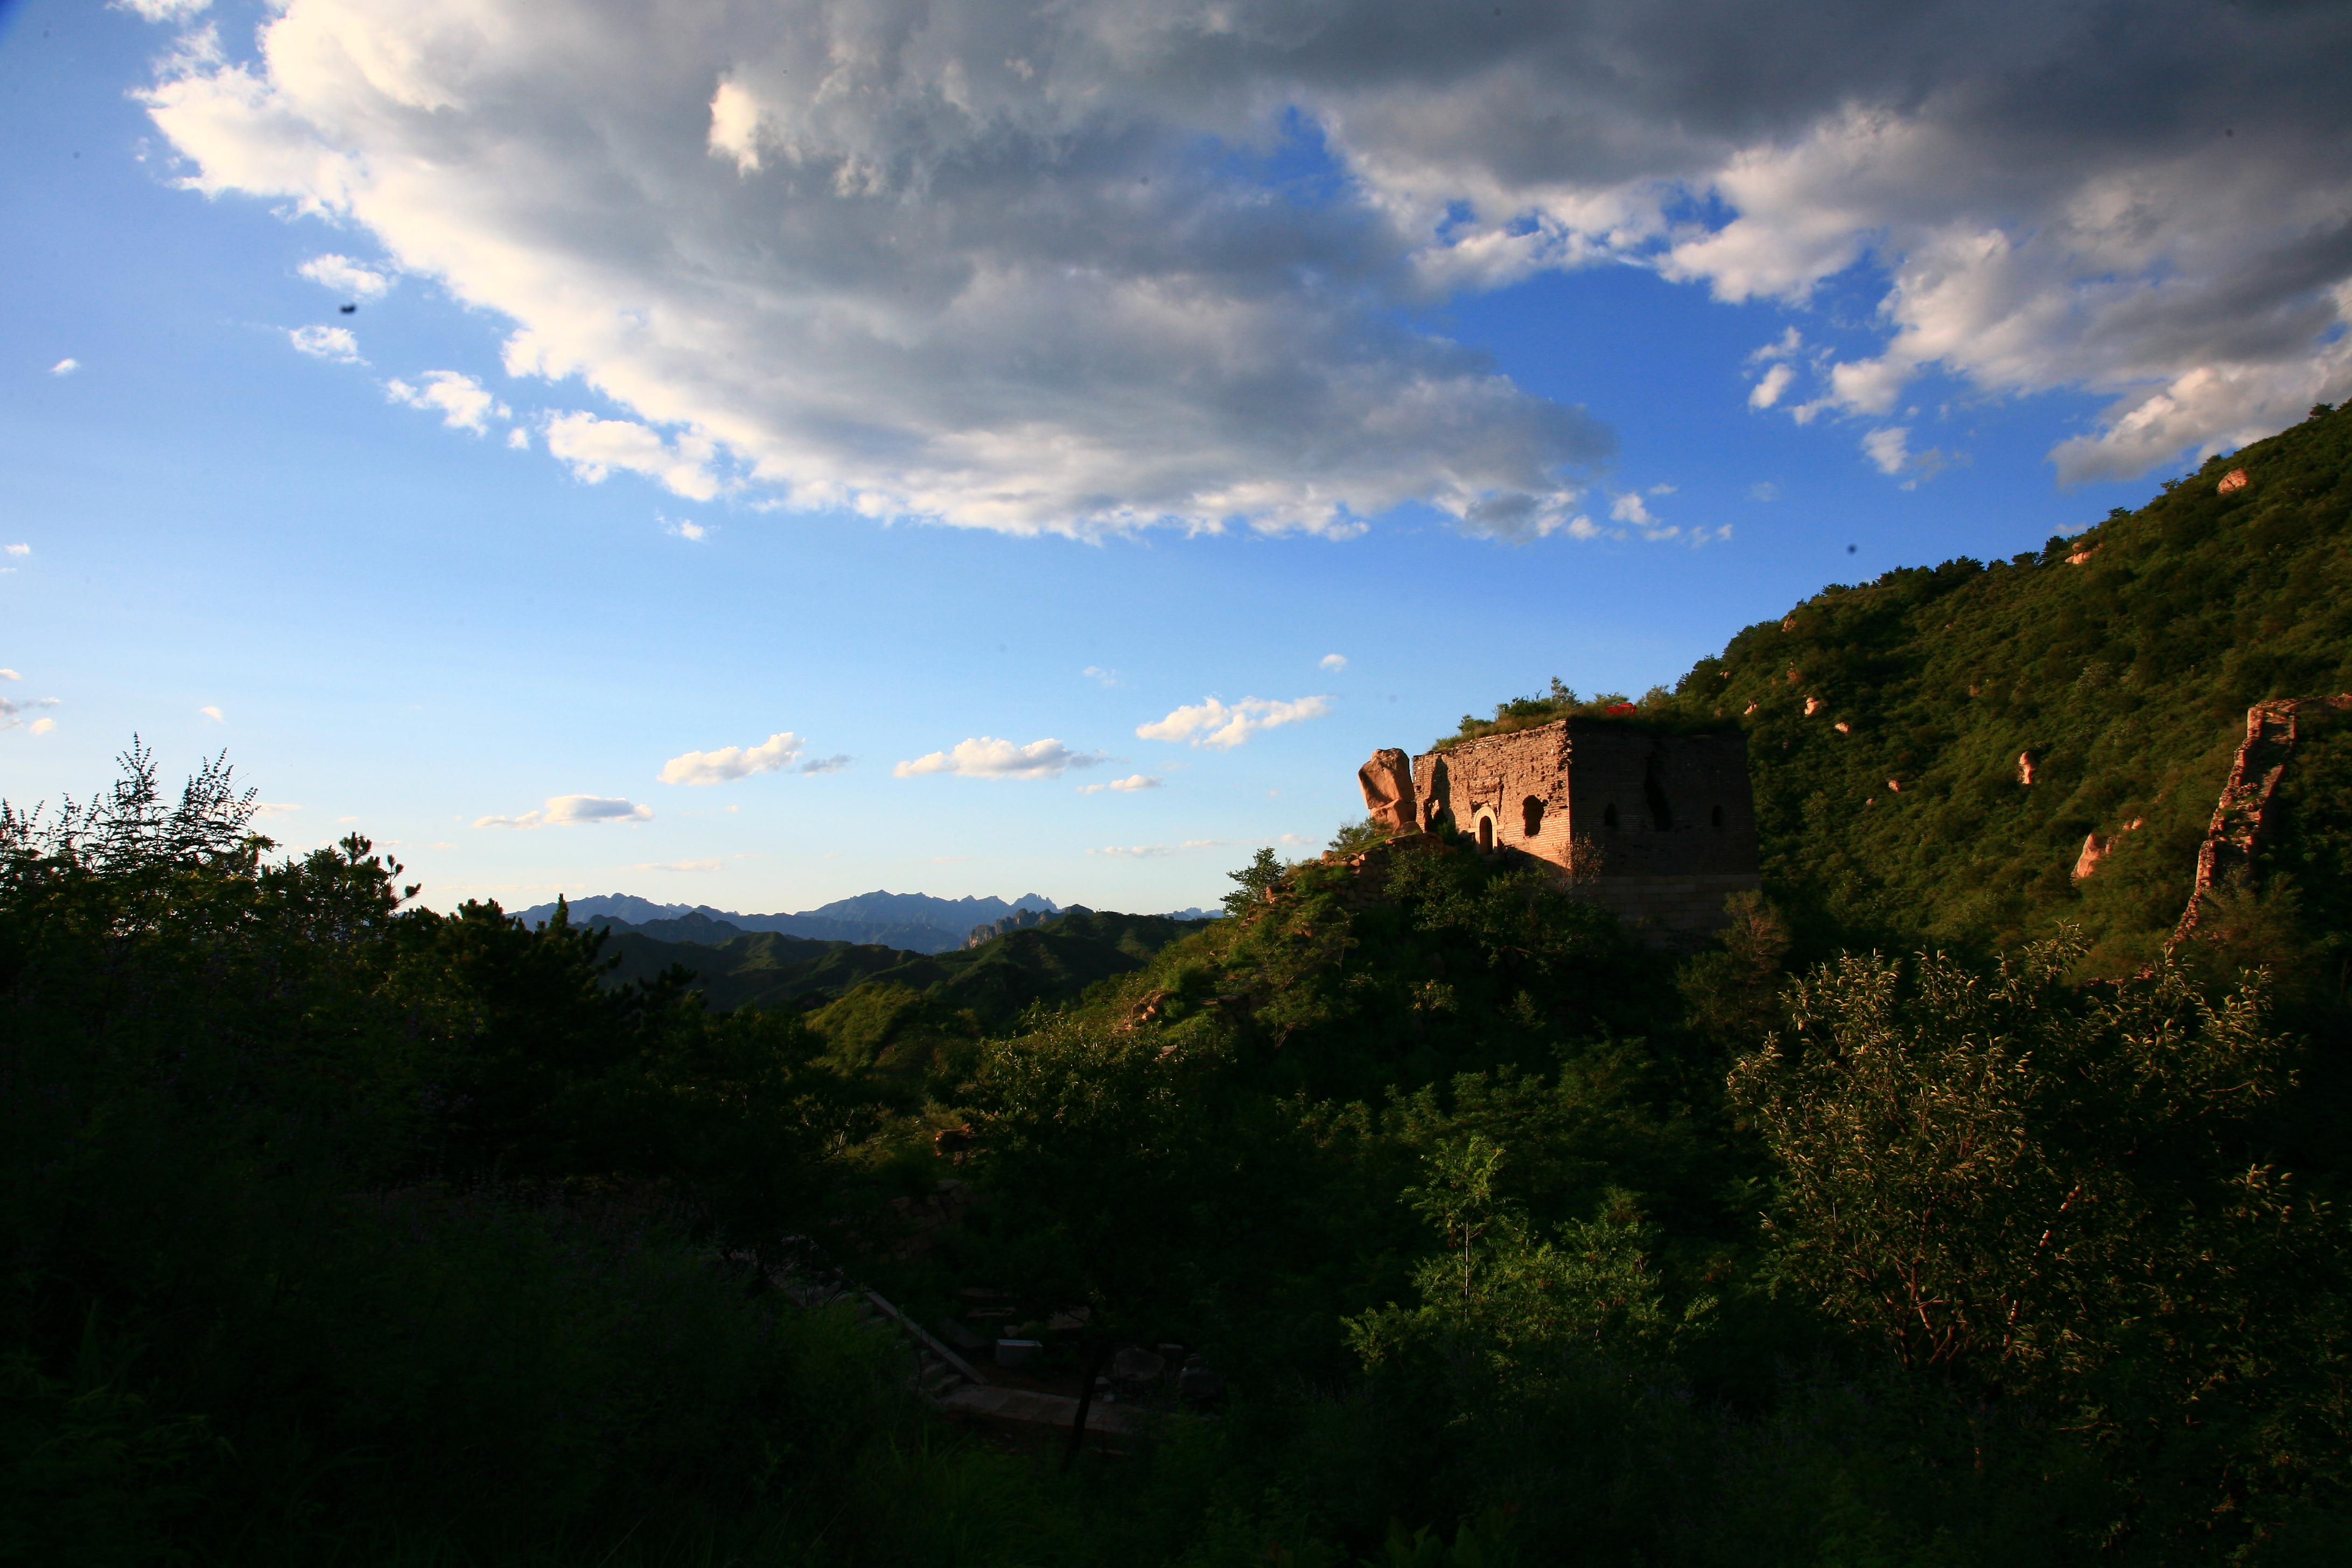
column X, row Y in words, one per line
column 2128, row 676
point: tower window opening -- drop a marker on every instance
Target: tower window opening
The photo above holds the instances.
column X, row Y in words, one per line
column 1531, row 814
column 1485, row 833
column 1661, row 816
column 1609, row 816
column 1715, row 818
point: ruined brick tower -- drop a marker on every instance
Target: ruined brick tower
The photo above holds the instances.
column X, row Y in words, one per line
column 1655, row 827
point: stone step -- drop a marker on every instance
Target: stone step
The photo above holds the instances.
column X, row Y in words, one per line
column 1107, row 1424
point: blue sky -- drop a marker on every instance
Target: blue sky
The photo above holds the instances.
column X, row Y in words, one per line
column 870, row 384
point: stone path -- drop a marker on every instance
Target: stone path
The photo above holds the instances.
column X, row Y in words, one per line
column 960, row 1389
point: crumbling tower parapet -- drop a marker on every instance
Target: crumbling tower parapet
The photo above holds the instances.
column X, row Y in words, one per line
column 1658, row 827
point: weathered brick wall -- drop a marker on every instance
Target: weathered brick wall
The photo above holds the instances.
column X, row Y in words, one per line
column 1670, row 816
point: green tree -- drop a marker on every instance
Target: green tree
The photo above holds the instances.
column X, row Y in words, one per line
column 2062, row 1194
column 1258, row 879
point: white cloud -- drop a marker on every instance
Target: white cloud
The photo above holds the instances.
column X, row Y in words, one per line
column 779, row 751
column 212, row 713
column 595, row 447
column 1890, row 449
column 735, row 117
column 1767, row 392
column 335, row 343
column 12, row 713
column 980, row 270
column 1334, row 662
column 1632, row 510
column 680, row 866
column 344, row 276
column 572, row 810
column 1764, row 490
column 275, row 808
column 65, row 367
column 10, row 675
column 1153, row 851
column 1101, row 676
column 1126, row 785
column 998, row 266
column 519, row 438
column 984, row 757
column 20, row 550
column 463, row 403
column 160, row 10
column 1211, row 723
column 682, row 529
column 820, row 765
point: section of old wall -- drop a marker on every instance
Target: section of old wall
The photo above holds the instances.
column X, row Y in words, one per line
column 1658, row 827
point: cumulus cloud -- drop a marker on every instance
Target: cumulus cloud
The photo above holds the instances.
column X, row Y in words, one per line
column 1767, row 392
column 65, row 367
column 778, row 752
column 1211, row 723
column 983, row 757
column 1008, row 266
column 1334, row 662
column 1889, row 447
column 463, row 403
column 344, row 276
column 595, row 447
column 1126, row 785
column 160, row 10
column 986, row 265
column 20, row 550
column 10, row 675
column 12, row 712
column 335, row 343
column 212, row 713
column 571, row 811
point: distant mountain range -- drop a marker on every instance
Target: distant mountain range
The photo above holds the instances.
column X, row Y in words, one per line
column 912, row 922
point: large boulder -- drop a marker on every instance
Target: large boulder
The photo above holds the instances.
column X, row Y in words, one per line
column 1387, row 782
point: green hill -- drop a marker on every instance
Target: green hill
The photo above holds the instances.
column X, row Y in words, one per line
column 879, row 1005
column 1887, row 720
column 756, row 969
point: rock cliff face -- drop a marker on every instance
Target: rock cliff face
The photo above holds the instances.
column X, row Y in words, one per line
column 1387, row 783
column 2242, row 815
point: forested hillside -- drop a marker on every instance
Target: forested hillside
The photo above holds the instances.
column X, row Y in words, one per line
column 1888, row 720
column 1416, row 1214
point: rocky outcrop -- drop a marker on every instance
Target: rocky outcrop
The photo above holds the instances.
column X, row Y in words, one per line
column 2243, row 814
column 2095, row 849
column 2236, row 480
column 1387, row 782
column 1019, row 919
